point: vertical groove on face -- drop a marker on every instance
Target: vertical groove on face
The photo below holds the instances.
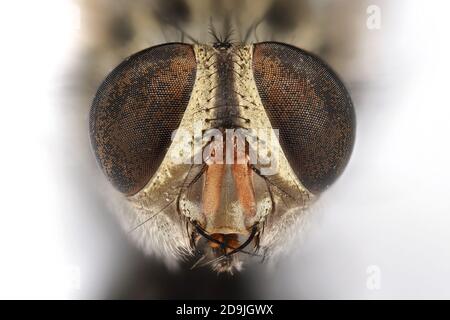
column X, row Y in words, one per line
column 135, row 111
column 225, row 96
column 310, row 106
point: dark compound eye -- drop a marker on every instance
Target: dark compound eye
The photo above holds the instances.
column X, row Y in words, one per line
column 135, row 111
column 310, row 106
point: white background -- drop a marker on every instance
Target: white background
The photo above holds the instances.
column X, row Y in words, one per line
column 390, row 209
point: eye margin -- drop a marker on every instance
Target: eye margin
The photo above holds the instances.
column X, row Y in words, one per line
column 130, row 164
column 310, row 175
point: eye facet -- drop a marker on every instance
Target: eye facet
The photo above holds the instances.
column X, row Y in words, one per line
column 135, row 111
column 310, row 106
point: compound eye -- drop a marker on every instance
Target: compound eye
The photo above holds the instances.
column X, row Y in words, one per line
column 312, row 109
column 135, row 111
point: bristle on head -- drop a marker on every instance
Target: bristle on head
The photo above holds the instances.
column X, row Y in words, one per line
column 222, row 40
